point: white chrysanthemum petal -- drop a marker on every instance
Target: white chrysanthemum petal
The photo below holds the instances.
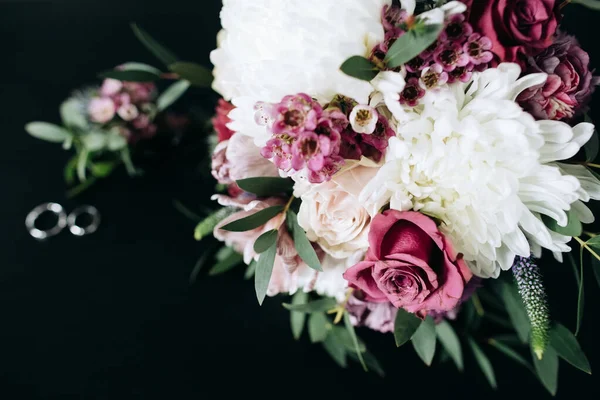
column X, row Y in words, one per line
column 476, row 161
column 583, row 213
column 590, row 186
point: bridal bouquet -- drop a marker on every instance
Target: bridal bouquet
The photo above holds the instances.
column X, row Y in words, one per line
column 403, row 167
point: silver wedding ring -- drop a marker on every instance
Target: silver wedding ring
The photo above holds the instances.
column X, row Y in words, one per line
column 78, row 230
column 34, row 214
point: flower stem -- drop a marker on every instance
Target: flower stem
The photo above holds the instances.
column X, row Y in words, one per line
column 592, row 165
column 341, row 308
column 588, row 248
column 477, row 304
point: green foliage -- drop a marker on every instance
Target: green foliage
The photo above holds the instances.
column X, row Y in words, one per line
column 516, row 310
column 510, row 352
column 547, row 369
column 450, row 342
column 318, row 327
column 411, row 44
column 483, row 362
column 573, row 227
column 133, row 72
column 266, row 186
column 324, row 304
column 48, row 132
column 206, row 226
column 253, row 221
column 227, row 259
column 405, row 326
column 360, row 67
column 264, row 269
column 265, row 241
column 297, row 319
column 72, row 116
column 592, row 4
column 164, row 55
column 195, row 74
column 336, row 350
column 567, row 347
column 357, row 347
column 593, row 145
column 302, row 244
column 424, row 340
column 172, row 94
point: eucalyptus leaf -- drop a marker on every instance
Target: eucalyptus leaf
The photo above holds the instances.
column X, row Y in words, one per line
column 516, row 310
column 115, row 141
column 208, row 224
column 266, row 186
column 303, row 246
column 227, row 262
column 336, row 350
column 343, row 336
column 594, row 242
column 411, row 44
column 48, row 132
column 82, row 164
column 318, row 327
column 370, row 360
column 72, row 114
column 131, row 75
column 511, row 353
column 94, row 141
column 264, row 269
column 195, row 74
column 70, row 170
column 547, row 369
column 573, row 227
column 484, row 362
column 297, row 319
column 405, row 326
column 128, row 162
column 424, row 340
column 360, row 67
column 172, row 94
column 357, row 348
column 592, row 4
column 164, row 55
column 265, row 241
column 324, row 304
column 566, row 346
column 250, row 270
column 253, row 221
column 450, row 342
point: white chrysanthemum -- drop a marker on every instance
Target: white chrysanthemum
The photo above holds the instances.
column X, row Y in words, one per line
column 272, row 48
column 486, row 169
column 269, row 49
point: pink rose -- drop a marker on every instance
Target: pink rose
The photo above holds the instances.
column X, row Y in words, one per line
column 410, row 264
column 515, row 27
column 221, row 119
column 101, row 110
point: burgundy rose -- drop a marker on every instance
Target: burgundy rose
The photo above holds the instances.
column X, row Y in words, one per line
column 515, row 27
column 410, row 264
column 221, row 119
column 570, row 82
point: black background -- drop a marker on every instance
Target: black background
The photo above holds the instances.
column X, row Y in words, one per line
column 112, row 315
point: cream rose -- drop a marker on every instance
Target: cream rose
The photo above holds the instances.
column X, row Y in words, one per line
column 332, row 215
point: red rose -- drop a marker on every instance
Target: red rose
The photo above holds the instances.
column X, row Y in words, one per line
column 516, row 27
column 410, row 264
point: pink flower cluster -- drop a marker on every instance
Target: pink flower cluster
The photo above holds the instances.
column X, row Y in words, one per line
column 307, row 136
column 453, row 57
column 130, row 102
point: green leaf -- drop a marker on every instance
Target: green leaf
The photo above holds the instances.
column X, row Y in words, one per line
column 593, row 145
column 592, row 4
column 450, row 342
column 228, row 260
column 115, row 141
column 94, row 141
column 581, row 293
column 357, row 347
column 155, row 48
column 250, row 271
column 302, row 244
column 48, row 132
column 336, row 350
column 128, row 162
column 343, row 336
column 196, row 74
column 596, row 268
column 547, row 369
column 103, row 169
column 72, row 114
column 318, row 327
column 573, row 228
column 253, row 221
column 405, row 326
column 484, row 362
column 172, row 94
column 207, row 226
column 297, row 318
column 133, row 72
column 82, row 164
column 70, row 169
column 508, row 351
column 567, row 347
column 266, row 186
column 265, row 241
column 516, row 310
column 411, row 44
column 594, row 242
column 264, row 269
column 359, row 67
column 324, row 304
column 371, row 362
column 424, row 340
